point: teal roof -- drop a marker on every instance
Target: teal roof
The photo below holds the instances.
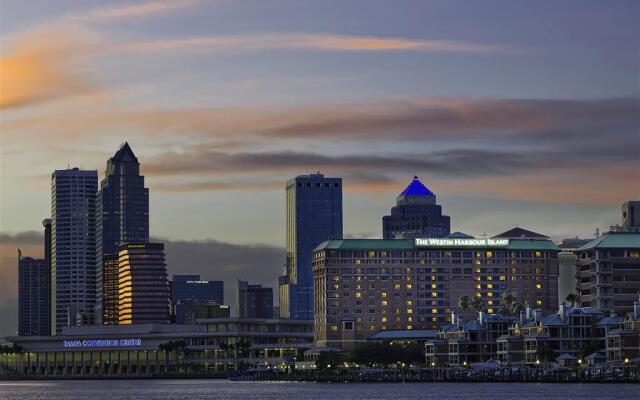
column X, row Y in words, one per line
column 410, row 334
column 404, row 244
column 614, row 240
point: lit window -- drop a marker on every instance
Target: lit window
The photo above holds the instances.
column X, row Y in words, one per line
column 490, row 310
column 489, row 302
column 538, row 286
column 409, row 302
column 538, row 254
column 489, row 254
column 502, row 277
column 434, row 311
column 478, row 286
column 409, row 311
column 357, row 262
column 384, row 302
column 409, row 327
column 409, row 286
column 539, row 302
column 489, row 286
column 410, row 319
column 489, row 294
column 384, row 319
column 358, row 294
column 383, row 294
column 489, row 278
column 334, row 328
column 434, row 286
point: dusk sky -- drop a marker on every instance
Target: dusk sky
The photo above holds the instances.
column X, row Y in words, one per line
column 512, row 112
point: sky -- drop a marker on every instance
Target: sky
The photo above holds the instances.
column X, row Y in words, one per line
column 512, row 112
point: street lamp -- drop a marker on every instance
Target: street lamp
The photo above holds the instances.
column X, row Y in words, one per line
column 433, row 364
column 626, row 361
column 537, row 362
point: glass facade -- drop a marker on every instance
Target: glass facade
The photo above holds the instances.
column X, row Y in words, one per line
column 415, row 214
column 122, row 216
column 314, row 214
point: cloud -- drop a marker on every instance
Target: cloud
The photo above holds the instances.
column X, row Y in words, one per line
column 305, row 41
column 213, row 260
column 134, row 10
column 39, row 69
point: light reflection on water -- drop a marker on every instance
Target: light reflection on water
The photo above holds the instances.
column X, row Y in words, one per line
column 222, row 389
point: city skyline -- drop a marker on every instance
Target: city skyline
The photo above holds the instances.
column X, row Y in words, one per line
column 223, row 102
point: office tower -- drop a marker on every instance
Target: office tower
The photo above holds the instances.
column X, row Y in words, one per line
column 609, row 272
column 143, row 287
column 33, row 296
column 367, row 285
column 314, row 214
column 415, row 214
column 122, row 216
column 254, row 301
column 631, row 216
column 189, row 291
column 73, row 247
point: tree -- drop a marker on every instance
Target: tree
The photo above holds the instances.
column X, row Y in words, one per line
column 573, row 299
column 477, row 304
column 463, row 302
column 509, row 304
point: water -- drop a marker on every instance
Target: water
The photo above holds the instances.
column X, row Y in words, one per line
column 222, row 389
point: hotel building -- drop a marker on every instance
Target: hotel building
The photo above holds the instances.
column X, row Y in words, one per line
column 364, row 286
column 143, row 287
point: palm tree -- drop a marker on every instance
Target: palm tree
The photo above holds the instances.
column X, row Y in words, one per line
column 463, row 302
column 573, row 299
column 509, row 304
column 477, row 304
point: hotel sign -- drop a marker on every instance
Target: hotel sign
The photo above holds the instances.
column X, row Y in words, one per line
column 460, row 242
column 103, row 343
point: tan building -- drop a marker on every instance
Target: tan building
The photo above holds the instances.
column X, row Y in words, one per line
column 143, row 286
column 364, row 286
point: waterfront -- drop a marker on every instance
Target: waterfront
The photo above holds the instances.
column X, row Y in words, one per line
column 223, row 389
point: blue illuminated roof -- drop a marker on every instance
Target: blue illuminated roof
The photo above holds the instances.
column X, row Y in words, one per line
column 416, row 188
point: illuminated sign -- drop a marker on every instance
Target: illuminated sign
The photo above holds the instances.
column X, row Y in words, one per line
column 460, row 242
column 198, row 282
column 103, row 343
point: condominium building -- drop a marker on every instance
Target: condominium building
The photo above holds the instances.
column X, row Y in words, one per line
column 364, row 286
column 314, row 214
column 143, row 287
column 609, row 271
column 73, row 247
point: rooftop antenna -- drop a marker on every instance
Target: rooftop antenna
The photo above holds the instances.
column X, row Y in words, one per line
column 484, row 235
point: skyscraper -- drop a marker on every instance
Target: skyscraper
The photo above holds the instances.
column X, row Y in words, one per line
column 254, row 301
column 33, row 296
column 415, row 214
column 143, row 286
column 73, row 248
column 314, row 214
column 122, row 216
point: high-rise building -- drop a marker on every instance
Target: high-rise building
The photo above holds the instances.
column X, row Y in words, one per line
column 415, row 214
column 254, row 301
column 368, row 285
column 314, row 214
column 33, row 296
column 631, row 216
column 189, row 291
column 143, row 287
column 609, row 272
column 122, row 216
column 567, row 282
column 73, row 247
